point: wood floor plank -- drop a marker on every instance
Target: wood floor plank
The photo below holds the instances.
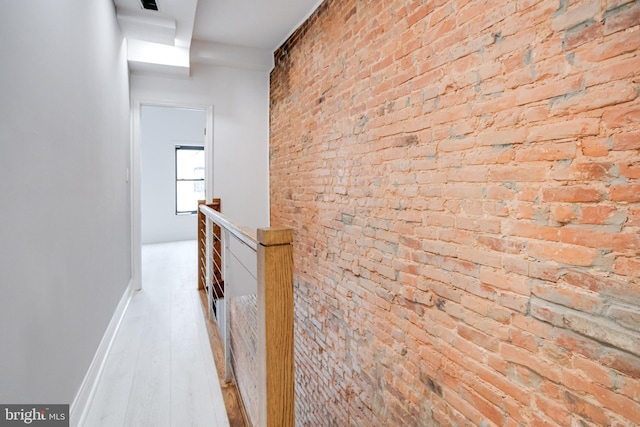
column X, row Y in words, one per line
column 109, row 403
column 149, row 403
column 210, row 368
column 188, row 368
column 160, row 371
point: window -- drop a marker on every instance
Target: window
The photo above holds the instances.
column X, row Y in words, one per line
column 189, row 178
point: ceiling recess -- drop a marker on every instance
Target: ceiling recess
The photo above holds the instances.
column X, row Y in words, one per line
column 150, row 4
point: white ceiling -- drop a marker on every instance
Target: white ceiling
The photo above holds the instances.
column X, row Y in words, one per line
column 228, row 32
column 251, row 23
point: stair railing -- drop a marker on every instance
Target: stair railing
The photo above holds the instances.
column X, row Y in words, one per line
column 255, row 312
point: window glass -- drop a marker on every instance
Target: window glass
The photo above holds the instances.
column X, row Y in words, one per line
column 190, row 163
column 189, row 178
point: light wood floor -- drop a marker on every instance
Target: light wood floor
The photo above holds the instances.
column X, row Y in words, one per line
column 160, row 371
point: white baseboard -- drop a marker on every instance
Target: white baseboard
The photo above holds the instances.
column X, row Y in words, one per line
column 82, row 401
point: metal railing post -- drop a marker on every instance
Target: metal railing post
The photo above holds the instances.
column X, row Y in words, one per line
column 228, row 373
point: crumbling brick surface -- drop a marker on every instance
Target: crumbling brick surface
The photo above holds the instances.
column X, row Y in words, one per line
column 463, row 181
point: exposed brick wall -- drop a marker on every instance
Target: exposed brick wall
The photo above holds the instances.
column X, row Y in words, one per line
column 463, row 179
column 243, row 315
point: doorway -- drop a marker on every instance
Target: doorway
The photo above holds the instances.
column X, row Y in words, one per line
column 172, row 172
column 157, row 129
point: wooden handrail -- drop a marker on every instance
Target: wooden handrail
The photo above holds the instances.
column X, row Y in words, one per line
column 244, row 234
column 274, row 354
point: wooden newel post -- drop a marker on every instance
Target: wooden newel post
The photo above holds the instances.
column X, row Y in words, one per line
column 275, row 327
column 202, row 246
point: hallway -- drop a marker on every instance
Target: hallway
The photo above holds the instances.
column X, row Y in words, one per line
column 160, row 371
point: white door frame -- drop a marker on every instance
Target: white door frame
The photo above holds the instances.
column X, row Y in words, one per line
column 136, row 172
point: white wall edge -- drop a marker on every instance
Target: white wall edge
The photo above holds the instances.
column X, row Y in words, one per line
column 136, row 197
column 80, row 406
column 208, row 147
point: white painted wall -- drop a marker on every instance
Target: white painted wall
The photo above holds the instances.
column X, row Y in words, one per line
column 162, row 128
column 240, row 100
column 65, row 257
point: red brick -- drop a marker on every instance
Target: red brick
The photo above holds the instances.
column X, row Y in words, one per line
column 576, row 343
column 576, row 15
column 569, row 297
column 549, row 90
column 617, row 403
column 622, row 18
column 535, row 114
column 610, row 47
column 627, row 266
column 583, row 34
column 630, row 170
column 487, row 308
column 595, row 147
column 479, row 257
column 479, row 338
column 626, row 141
column 515, row 264
column 629, row 387
column 531, row 230
column 585, row 409
column 478, row 224
column 623, row 362
column 595, row 98
column 600, row 215
column 563, row 214
column 525, row 211
column 418, row 15
column 522, row 357
column 634, row 217
column 498, row 209
column 594, row 371
column 611, row 71
column 461, row 178
column 530, row 172
column 492, row 412
column 565, row 254
column 550, row 272
column 501, row 244
column 523, row 339
column 566, row 129
column 619, row 242
column 625, row 193
column 556, row 412
column 571, row 194
column 621, row 116
column 546, row 151
column 510, row 282
column 603, row 285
